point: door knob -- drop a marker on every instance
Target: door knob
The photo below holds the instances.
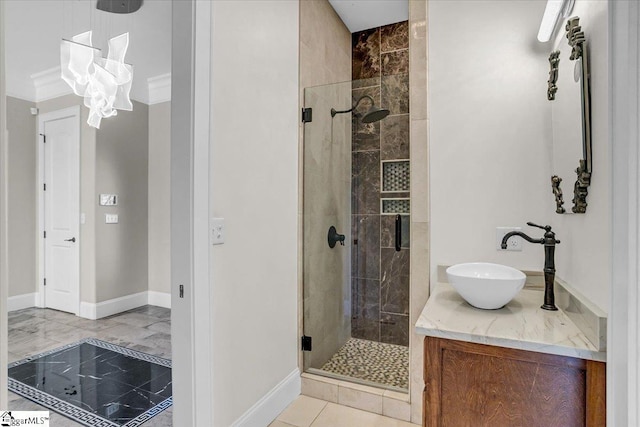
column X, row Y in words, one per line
column 72, row 240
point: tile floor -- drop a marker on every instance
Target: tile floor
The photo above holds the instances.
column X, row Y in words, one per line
column 148, row 329
column 309, row 412
column 35, row 330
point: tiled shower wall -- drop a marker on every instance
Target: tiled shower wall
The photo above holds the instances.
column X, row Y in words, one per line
column 380, row 274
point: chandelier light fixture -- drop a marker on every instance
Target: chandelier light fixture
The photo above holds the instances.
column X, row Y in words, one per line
column 104, row 83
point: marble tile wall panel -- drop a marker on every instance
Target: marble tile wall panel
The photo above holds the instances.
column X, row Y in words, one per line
column 380, row 69
column 394, row 36
column 395, row 93
column 365, row 136
column 370, row 82
column 393, row 63
column 365, row 255
column 365, row 190
column 365, row 320
column 394, row 284
column 394, row 137
column 388, row 231
column 366, row 54
column 394, row 329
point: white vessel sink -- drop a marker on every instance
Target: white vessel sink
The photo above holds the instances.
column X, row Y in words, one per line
column 485, row 285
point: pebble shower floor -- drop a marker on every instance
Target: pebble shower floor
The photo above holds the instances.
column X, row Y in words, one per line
column 376, row 362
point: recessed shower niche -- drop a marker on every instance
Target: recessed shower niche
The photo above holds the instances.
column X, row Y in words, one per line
column 356, row 179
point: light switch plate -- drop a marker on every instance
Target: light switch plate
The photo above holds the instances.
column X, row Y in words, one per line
column 111, row 218
column 217, row 231
column 108, row 199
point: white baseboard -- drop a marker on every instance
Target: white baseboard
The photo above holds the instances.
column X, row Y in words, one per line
column 160, row 299
column 19, row 302
column 273, row 403
column 110, row 307
column 113, row 306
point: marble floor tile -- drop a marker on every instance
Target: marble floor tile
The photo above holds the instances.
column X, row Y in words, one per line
column 34, row 330
column 162, row 326
column 153, row 311
column 124, row 333
column 34, row 346
column 164, row 419
column 134, row 319
column 88, row 324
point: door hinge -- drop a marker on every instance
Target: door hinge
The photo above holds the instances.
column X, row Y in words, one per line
column 45, row 234
column 45, row 281
column 306, row 343
column 44, row 186
column 44, row 138
column 307, row 115
column 181, row 291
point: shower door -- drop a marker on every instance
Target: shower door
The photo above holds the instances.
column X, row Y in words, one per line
column 356, row 290
column 327, row 203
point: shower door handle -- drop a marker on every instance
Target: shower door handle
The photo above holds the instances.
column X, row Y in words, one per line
column 398, row 233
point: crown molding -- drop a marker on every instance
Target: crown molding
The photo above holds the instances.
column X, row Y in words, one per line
column 48, row 84
column 159, row 89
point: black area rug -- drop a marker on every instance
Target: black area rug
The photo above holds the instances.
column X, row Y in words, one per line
column 95, row 383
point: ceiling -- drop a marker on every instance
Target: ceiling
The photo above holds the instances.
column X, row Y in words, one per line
column 360, row 15
column 34, row 29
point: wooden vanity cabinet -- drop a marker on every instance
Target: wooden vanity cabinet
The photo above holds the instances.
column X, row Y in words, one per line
column 469, row 384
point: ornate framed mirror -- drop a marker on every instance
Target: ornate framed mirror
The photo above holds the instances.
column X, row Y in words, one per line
column 569, row 93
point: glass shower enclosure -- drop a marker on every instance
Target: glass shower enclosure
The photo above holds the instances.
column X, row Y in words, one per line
column 356, row 237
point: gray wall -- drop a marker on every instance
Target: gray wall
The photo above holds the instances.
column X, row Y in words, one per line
column 122, row 169
column 22, row 196
column 159, row 197
column 114, row 159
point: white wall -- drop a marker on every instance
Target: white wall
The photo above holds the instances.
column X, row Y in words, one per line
column 254, row 155
column 489, row 129
column 4, row 277
column 159, row 197
column 583, row 259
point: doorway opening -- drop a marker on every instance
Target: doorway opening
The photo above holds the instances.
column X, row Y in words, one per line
column 99, row 282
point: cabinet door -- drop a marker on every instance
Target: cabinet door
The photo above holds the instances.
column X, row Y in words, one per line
column 477, row 385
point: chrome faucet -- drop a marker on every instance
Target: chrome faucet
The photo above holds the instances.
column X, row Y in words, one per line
column 549, row 241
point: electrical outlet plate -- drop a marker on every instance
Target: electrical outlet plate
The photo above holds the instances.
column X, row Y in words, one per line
column 514, row 244
column 111, row 218
column 217, row 231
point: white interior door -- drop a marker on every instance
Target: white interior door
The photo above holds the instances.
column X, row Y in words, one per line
column 60, row 132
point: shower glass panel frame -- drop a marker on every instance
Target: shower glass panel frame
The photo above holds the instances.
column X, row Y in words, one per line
column 340, row 303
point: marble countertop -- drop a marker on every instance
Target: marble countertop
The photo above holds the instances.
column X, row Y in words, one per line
column 521, row 324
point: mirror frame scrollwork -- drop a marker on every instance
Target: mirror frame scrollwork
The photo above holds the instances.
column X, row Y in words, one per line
column 577, row 41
